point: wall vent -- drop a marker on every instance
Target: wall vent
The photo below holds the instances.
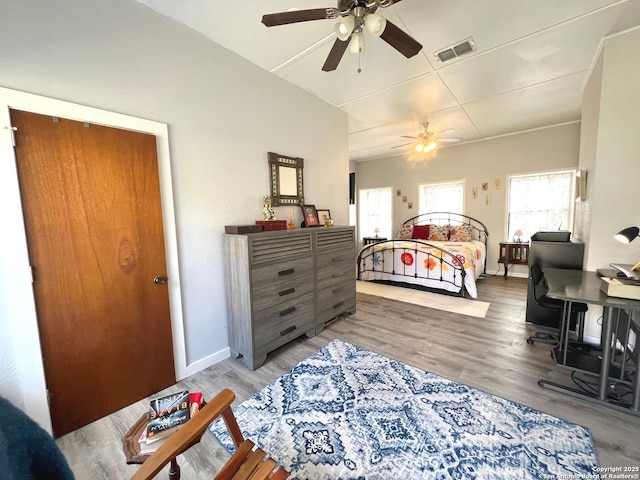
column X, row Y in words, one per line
column 454, row 51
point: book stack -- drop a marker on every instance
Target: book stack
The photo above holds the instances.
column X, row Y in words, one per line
column 166, row 415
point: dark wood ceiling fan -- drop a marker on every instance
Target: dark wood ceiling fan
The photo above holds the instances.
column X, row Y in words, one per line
column 355, row 16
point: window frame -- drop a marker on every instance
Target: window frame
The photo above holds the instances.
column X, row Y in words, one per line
column 383, row 228
column 421, row 188
column 572, row 189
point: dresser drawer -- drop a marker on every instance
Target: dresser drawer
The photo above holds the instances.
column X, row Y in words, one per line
column 284, row 271
column 336, row 257
column 337, row 290
column 282, row 312
column 336, row 304
column 279, row 335
column 275, row 294
column 336, row 274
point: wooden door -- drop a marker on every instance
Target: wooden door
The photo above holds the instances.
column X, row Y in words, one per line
column 91, row 201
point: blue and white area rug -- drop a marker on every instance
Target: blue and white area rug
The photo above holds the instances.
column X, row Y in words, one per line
column 348, row 413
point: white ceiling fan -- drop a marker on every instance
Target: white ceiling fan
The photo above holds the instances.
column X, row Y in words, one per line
column 427, row 141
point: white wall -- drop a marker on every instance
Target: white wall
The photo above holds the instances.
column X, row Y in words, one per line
column 553, row 148
column 224, row 114
column 609, row 149
column 611, row 101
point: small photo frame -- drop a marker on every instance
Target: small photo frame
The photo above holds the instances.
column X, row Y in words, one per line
column 487, row 199
column 323, row 215
column 485, row 186
column 496, row 183
column 474, row 192
column 310, row 216
column 410, row 205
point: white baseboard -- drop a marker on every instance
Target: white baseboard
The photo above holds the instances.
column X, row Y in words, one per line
column 206, row 362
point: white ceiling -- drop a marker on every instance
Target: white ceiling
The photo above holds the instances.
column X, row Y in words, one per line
column 531, row 61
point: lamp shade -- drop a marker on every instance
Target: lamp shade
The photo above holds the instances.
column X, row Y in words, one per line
column 344, row 27
column 357, row 43
column 627, row 235
column 375, row 24
column 518, row 233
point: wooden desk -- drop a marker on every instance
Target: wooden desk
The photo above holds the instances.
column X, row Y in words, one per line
column 370, row 240
column 581, row 286
column 513, row 253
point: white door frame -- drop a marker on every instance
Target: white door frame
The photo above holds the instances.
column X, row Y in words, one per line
column 17, row 302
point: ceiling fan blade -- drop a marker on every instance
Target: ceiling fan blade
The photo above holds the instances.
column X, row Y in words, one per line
column 449, row 140
column 335, row 55
column 400, row 40
column 407, row 136
column 403, row 145
column 446, row 131
column 295, row 16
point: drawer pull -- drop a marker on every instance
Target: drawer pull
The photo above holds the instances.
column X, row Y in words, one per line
column 287, row 311
column 286, row 292
column 338, row 290
column 287, row 330
column 337, row 275
column 288, row 271
column 338, row 305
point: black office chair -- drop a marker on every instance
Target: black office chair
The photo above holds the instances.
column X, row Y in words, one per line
column 540, row 290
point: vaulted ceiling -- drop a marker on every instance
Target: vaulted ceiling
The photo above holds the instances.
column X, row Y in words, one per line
column 527, row 71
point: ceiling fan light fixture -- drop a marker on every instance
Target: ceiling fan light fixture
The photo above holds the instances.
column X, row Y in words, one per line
column 344, row 28
column 357, row 43
column 419, row 148
column 375, row 24
column 430, row 146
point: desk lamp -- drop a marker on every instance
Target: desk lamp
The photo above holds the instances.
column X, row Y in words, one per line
column 628, row 235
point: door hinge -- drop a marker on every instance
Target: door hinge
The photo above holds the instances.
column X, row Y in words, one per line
column 13, row 131
column 31, row 272
column 48, row 397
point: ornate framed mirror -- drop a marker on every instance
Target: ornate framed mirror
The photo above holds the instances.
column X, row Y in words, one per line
column 287, row 186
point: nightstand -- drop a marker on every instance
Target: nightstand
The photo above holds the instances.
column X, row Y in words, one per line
column 513, row 253
column 370, row 240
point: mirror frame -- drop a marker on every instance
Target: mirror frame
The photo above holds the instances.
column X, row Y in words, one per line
column 276, row 162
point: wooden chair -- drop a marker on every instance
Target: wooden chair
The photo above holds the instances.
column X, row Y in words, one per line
column 245, row 463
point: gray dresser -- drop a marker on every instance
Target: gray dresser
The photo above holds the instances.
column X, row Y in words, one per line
column 286, row 283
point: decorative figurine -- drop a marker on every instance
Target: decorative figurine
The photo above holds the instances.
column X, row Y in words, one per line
column 267, row 212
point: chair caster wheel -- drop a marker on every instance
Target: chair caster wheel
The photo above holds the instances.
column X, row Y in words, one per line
column 529, row 341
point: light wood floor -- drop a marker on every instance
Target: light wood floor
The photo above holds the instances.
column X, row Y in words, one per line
column 490, row 354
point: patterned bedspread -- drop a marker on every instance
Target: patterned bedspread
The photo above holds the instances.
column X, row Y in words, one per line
column 419, row 263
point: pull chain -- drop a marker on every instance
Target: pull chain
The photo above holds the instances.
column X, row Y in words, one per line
column 359, row 57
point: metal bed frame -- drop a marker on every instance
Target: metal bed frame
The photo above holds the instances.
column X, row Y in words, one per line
column 398, row 269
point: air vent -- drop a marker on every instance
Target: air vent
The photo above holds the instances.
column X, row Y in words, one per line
column 456, row 51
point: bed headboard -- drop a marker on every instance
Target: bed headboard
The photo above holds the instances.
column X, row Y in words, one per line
column 478, row 228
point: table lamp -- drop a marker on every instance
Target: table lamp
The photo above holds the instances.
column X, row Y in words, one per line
column 628, row 235
column 517, row 236
column 376, row 231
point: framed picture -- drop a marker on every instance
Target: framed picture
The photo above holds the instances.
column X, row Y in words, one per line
column 323, row 215
column 310, row 215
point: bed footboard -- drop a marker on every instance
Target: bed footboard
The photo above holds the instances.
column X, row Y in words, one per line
column 416, row 262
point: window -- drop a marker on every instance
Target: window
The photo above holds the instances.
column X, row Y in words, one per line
column 442, row 197
column 375, row 212
column 540, row 201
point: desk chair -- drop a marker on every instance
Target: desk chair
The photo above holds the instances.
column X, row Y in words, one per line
column 245, row 464
column 540, row 290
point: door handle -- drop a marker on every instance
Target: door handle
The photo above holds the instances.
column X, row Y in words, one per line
column 159, row 280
